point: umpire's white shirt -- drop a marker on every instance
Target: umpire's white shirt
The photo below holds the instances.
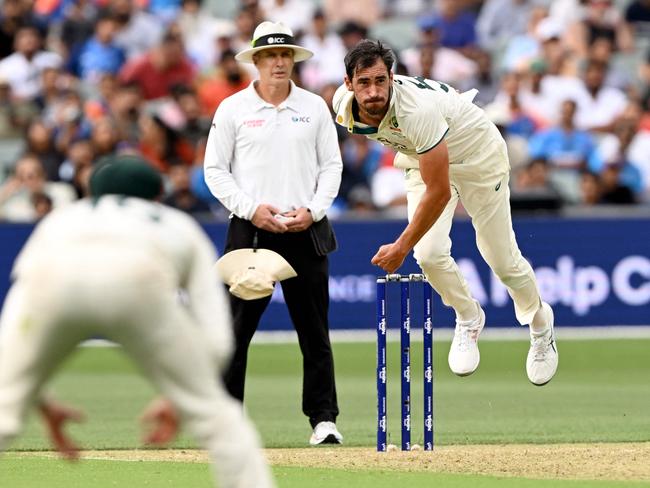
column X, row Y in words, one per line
column 287, row 156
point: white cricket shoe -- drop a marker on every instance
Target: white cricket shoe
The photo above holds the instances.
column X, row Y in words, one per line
column 541, row 364
column 325, row 433
column 464, row 355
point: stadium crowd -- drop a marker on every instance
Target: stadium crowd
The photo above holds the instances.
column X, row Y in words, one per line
column 566, row 81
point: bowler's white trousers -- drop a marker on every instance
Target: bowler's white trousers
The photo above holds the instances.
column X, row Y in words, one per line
column 133, row 303
column 481, row 184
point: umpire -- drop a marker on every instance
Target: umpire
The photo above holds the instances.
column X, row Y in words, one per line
column 273, row 161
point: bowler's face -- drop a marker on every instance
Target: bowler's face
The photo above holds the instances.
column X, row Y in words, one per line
column 371, row 87
column 274, row 64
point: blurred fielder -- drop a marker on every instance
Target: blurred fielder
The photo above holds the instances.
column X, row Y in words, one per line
column 112, row 266
column 450, row 152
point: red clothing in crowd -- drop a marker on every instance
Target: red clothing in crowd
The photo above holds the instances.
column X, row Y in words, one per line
column 213, row 91
column 153, row 82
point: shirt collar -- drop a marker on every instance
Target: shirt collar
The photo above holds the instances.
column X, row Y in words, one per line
column 292, row 102
column 345, row 116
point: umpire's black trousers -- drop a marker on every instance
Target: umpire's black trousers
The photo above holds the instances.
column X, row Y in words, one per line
column 307, row 298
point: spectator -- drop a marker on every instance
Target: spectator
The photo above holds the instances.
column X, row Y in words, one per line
column 104, row 137
column 161, row 146
column 138, row 30
column 68, row 121
column 16, row 194
column 619, row 74
column 484, row 80
column 14, row 14
column 325, row 66
column 156, row 71
column 124, row 108
column 613, row 192
column 201, row 33
column 601, row 19
column 590, row 188
column 40, row 143
column 363, row 12
column 388, row 189
column 50, row 93
column 351, row 33
column 23, row 68
column 457, row 26
column 165, row 11
column 629, row 150
column 78, row 24
column 567, row 150
column 566, row 12
column 180, row 195
column 432, row 61
column 193, row 124
column 80, row 156
column 533, row 178
column 227, row 79
column 361, row 158
column 15, row 114
column 522, row 50
column 516, row 121
column 494, row 28
column 295, row 14
column 637, row 15
column 542, row 92
column 100, row 54
column 598, row 105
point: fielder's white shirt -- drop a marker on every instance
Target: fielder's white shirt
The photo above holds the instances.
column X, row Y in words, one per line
column 112, row 225
column 287, row 156
column 421, row 113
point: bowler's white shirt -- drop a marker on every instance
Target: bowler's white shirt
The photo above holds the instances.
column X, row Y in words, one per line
column 287, row 156
column 421, row 114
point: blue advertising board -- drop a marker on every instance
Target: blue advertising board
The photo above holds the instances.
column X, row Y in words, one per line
column 595, row 272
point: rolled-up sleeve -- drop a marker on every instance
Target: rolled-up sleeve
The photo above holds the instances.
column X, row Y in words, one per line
column 329, row 164
column 219, row 154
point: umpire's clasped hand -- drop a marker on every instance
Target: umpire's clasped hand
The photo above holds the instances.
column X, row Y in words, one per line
column 264, row 218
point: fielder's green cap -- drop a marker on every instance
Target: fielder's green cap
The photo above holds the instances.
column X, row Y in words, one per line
column 126, row 175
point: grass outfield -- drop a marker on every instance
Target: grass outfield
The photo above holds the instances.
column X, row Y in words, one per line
column 600, row 394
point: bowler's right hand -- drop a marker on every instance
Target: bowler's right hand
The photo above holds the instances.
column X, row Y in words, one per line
column 264, row 218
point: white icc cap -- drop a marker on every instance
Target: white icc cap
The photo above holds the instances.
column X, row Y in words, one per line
column 270, row 35
column 252, row 273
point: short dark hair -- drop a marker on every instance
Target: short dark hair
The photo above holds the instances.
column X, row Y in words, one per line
column 365, row 54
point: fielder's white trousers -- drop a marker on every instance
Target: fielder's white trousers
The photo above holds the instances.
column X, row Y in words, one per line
column 44, row 319
column 480, row 183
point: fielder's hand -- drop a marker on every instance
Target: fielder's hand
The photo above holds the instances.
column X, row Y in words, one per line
column 160, row 421
column 55, row 415
column 264, row 218
column 389, row 257
column 301, row 219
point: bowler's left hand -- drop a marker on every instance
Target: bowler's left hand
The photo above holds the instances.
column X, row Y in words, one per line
column 389, row 257
column 301, row 219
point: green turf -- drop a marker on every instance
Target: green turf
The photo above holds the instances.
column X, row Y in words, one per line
column 600, row 394
column 19, row 473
